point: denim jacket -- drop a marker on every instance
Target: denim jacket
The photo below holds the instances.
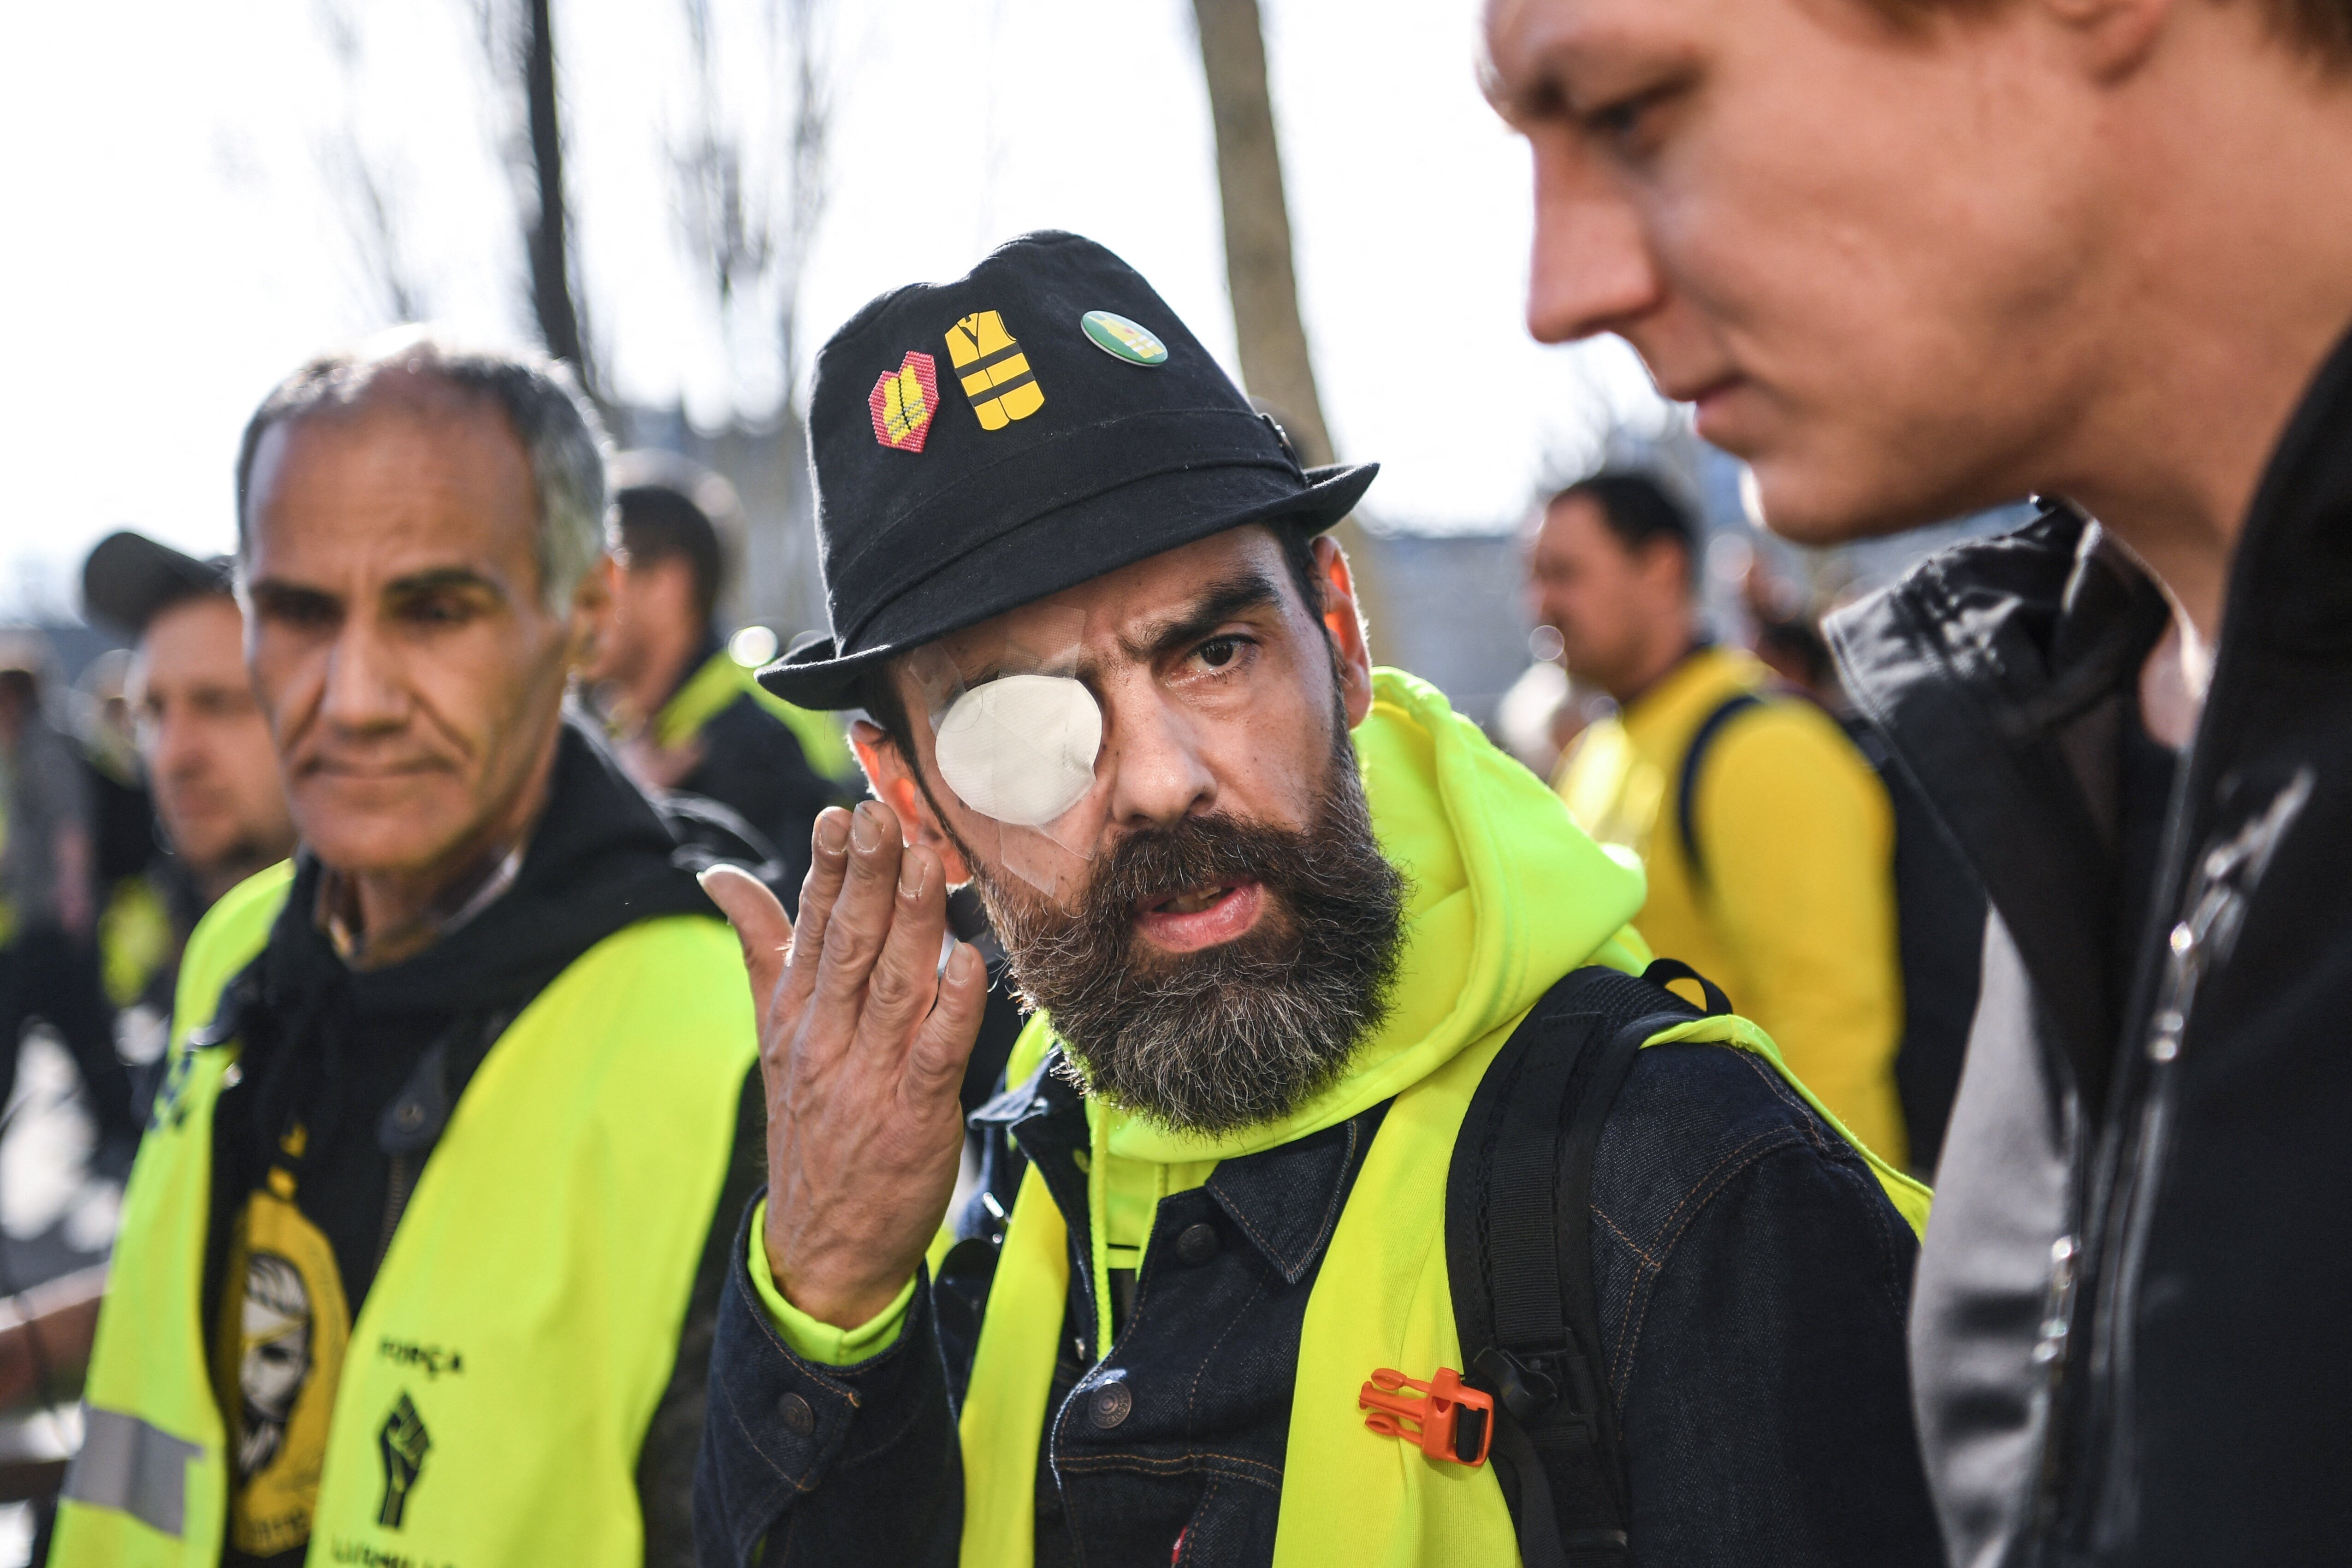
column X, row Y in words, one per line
column 1753, row 1281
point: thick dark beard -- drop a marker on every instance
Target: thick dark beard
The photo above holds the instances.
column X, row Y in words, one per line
column 1242, row 1034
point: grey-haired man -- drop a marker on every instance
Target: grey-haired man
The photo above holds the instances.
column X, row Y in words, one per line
column 414, row 1263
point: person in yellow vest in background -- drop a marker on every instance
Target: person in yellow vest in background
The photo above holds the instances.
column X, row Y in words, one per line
column 1767, row 835
column 1358, row 1193
column 688, row 715
column 421, row 1252
column 203, row 754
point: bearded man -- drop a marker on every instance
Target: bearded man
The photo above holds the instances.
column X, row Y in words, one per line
column 1282, row 915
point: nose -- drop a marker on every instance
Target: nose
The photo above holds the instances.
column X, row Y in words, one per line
column 1158, row 773
column 1591, row 270
column 362, row 692
column 174, row 750
column 1535, row 594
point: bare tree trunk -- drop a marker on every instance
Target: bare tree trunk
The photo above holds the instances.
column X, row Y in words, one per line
column 547, row 236
column 1259, row 273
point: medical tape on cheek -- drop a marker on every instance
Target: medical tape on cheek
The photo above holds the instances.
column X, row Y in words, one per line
column 1020, row 750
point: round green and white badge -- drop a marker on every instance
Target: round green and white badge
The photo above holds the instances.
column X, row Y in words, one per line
column 1123, row 340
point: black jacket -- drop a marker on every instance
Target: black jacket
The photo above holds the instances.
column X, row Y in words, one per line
column 2129, row 1339
column 1752, row 1278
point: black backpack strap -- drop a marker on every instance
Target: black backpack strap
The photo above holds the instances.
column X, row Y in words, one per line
column 1518, row 1247
column 1687, row 784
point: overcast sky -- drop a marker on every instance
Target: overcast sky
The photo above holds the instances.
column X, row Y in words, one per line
column 184, row 229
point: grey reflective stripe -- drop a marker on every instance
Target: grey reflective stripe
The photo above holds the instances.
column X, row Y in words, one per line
column 127, row 1464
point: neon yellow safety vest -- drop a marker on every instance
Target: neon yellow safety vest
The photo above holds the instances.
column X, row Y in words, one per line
column 525, row 1321
column 134, row 940
column 719, row 682
column 1382, row 1299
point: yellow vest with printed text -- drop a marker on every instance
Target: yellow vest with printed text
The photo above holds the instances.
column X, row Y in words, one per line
column 525, row 1319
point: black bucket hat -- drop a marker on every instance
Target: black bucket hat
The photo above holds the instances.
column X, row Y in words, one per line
column 1038, row 423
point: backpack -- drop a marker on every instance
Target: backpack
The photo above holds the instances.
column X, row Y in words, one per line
column 1519, row 1254
column 1939, row 916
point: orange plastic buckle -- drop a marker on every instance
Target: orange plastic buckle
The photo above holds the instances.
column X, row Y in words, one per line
column 1435, row 1419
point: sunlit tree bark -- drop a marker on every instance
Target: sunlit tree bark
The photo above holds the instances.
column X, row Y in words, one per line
column 1276, row 368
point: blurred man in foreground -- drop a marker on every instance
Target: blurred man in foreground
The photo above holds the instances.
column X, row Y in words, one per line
column 1768, row 839
column 691, row 718
column 204, row 748
column 49, row 901
column 416, row 1262
column 1913, row 258
column 1322, row 979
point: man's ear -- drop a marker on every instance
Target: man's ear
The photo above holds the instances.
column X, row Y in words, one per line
column 1666, row 570
column 589, row 628
column 893, row 783
column 1345, row 622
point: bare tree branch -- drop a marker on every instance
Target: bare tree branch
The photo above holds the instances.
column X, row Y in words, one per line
column 751, row 187
column 805, row 182
column 750, row 179
column 371, row 207
column 724, row 228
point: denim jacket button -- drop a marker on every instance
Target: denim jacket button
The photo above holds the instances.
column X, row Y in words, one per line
column 1196, row 1244
column 799, row 1419
column 1107, row 1406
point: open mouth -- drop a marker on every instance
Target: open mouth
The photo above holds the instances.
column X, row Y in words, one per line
column 1187, row 919
column 1190, row 902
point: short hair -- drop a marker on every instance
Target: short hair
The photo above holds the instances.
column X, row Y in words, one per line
column 660, row 522
column 1639, row 511
column 562, row 438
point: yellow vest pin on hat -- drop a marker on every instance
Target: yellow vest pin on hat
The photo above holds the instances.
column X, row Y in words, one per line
column 994, row 371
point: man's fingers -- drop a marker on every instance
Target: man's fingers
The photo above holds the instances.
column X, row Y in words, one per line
column 903, row 980
column 761, row 924
column 820, row 890
column 943, row 1044
column 860, row 918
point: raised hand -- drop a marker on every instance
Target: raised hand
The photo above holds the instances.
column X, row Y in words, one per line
column 861, row 1045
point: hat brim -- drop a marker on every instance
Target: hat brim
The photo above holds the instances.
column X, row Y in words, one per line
column 1062, row 550
column 130, row 578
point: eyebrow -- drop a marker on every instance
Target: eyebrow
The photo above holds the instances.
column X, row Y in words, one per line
column 266, row 591
column 1221, row 601
column 434, row 579
column 430, row 581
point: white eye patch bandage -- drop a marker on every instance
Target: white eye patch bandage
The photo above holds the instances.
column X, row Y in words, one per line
column 1020, row 748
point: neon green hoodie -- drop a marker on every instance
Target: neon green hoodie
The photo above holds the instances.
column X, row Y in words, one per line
column 1506, row 895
